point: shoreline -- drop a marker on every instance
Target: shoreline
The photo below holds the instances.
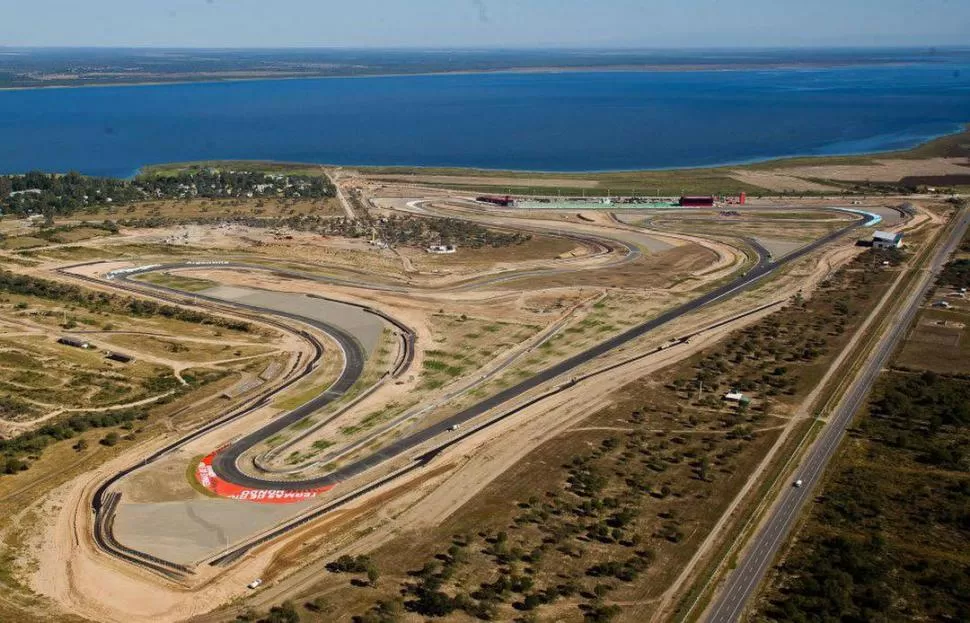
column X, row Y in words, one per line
column 646, row 68
column 404, row 169
column 964, row 129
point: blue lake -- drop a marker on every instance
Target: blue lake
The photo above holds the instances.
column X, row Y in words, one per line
column 552, row 122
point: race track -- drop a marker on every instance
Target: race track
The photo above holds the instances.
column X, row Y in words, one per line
column 225, row 462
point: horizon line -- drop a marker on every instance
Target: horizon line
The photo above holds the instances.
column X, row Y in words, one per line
column 487, row 48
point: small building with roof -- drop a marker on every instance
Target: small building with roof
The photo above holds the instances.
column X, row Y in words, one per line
column 736, row 396
column 886, row 240
column 68, row 340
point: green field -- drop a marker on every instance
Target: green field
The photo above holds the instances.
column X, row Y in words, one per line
column 293, row 168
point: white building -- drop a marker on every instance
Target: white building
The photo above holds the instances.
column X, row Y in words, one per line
column 886, row 240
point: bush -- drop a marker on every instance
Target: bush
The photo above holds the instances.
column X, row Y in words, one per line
column 13, row 465
column 432, row 603
column 350, row 564
column 600, row 613
column 284, row 613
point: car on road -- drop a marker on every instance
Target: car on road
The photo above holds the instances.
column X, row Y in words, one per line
column 797, row 483
column 255, row 583
column 454, row 427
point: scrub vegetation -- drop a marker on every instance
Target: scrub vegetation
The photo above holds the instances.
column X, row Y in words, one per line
column 594, row 524
column 396, row 230
column 101, row 302
column 59, row 195
column 887, row 536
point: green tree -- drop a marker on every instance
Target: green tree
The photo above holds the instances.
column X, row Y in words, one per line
column 319, row 604
column 373, row 575
column 284, row 613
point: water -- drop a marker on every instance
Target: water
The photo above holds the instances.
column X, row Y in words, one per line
column 550, row 122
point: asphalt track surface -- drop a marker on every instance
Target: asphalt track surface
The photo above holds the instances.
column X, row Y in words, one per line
column 99, row 498
column 743, row 581
column 353, row 355
column 225, row 463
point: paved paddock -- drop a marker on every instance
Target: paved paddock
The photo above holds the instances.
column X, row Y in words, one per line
column 188, row 531
column 367, row 328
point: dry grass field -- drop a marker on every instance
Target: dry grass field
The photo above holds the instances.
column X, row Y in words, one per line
column 597, row 522
column 886, row 537
column 590, row 519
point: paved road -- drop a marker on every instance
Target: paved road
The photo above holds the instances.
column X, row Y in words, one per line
column 349, row 211
column 743, row 581
column 224, row 463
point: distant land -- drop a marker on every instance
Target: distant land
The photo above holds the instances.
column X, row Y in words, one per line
column 48, row 67
column 939, row 166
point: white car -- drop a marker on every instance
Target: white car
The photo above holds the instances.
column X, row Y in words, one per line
column 454, row 427
column 255, row 583
column 798, row 482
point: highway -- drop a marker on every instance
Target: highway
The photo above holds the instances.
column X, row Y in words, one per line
column 741, row 584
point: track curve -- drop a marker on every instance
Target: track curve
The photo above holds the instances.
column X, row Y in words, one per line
column 225, row 463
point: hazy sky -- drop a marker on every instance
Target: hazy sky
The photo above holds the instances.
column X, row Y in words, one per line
column 479, row 23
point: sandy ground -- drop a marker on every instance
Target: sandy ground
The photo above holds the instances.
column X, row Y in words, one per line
column 537, row 309
column 79, row 579
column 781, row 182
column 72, row 573
column 546, row 182
column 779, row 247
column 100, row 588
column 90, row 585
column 480, row 462
column 103, row 340
column 888, row 170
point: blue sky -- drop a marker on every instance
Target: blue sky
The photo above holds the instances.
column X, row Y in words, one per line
column 484, row 23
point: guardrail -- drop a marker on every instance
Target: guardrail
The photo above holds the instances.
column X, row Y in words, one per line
column 104, row 538
column 104, row 503
column 410, row 339
column 535, row 382
column 426, row 457
column 238, row 552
